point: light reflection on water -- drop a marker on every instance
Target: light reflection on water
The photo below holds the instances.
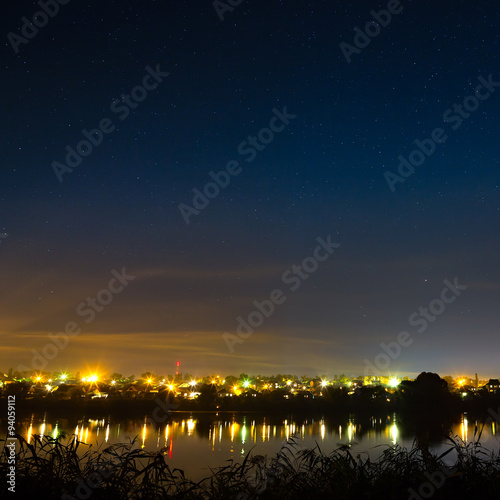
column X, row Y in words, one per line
column 197, row 441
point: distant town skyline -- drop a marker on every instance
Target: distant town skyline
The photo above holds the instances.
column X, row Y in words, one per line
column 100, row 374
column 269, row 189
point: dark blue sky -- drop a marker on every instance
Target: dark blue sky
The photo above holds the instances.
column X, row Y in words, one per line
column 323, row 174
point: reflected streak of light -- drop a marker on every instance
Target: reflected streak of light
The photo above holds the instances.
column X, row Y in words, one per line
column 170, row 447
column 394, row 433
column 245, row 433
column 351, row 431
column 464, row 428
column 493, row 428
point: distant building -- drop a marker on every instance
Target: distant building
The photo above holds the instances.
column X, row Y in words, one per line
column 222, row 393
column 493, row 385
column 250, row 393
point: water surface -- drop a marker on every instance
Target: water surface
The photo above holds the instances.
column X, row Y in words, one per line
column 197, row 441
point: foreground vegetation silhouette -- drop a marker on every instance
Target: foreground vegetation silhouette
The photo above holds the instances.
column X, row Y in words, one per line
column 66, row 468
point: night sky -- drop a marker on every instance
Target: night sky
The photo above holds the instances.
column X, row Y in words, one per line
column 322, row 175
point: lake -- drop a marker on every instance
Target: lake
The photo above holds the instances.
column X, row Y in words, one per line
column 199, row 440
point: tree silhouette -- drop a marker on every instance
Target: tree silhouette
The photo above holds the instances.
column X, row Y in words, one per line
column 427, row 408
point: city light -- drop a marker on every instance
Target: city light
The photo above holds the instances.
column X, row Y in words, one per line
column 314, row 386
column 393, row 382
